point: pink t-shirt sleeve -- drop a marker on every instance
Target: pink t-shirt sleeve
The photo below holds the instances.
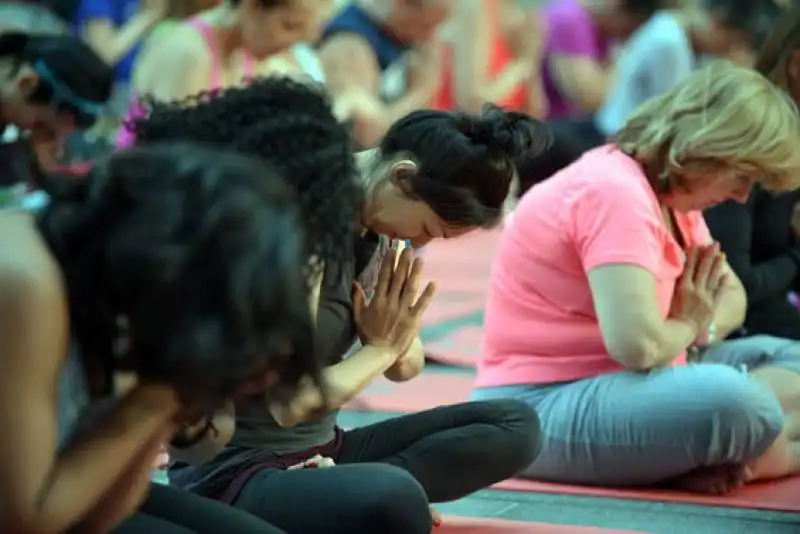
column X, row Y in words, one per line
column 615, row 220
column 571, row 32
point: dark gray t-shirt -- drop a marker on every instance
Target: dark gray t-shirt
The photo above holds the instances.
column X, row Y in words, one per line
column 257, row 433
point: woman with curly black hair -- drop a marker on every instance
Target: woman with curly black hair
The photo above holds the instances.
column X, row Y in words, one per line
column 434, row 175
column 184, row 266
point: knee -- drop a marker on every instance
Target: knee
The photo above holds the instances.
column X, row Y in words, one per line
column 394, row 503
column 518, row 437
column 746, row 417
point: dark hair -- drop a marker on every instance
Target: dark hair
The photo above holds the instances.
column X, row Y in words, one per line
column 780, row 42
column 289, row 124
column 756, row 18
column 201, row 252
column 72, row 77
column 465, row 163
column 645, row 8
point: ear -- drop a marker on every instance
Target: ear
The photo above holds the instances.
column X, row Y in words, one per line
column 26, row 81
column 401, row 171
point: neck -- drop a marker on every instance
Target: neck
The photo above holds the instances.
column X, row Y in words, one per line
column 224, row 19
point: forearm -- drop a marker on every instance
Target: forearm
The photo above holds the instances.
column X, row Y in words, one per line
column 343, row 381
column 537, row 104
column 213, row 441
column 125, row 38
column 86, row 471
column 731, row 309
column 657, row 347
column 409, row 365
column 127, row 493
column 494, row 90
column 370, row 123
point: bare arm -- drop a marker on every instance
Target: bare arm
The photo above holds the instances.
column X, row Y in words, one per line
column 409, row 365
column 44, row 491
column 353, row 77
column 111, row 43
column 472, row 45
column 224, row 421
column 182, row 53
column 128, row 492
column 344, row 380
column 634, row 332
column 582, row 79
column 731, row 309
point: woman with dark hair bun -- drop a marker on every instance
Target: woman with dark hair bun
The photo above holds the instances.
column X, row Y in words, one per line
column 434, row 175
column 184, row 266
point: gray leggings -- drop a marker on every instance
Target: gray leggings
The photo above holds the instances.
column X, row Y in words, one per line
column 637, row 429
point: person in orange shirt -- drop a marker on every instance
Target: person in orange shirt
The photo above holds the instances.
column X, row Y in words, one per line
column 495, row 62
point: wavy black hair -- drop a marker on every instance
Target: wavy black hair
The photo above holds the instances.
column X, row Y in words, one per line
column 72, row 77
column 466, row 163
column 193, row 257
column 289, row 124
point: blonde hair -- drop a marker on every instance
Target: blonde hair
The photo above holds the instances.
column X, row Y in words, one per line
column 722, row 116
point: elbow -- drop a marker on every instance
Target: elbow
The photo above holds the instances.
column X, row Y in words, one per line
column 638, row 353
column 307, row 405
column 405, row 370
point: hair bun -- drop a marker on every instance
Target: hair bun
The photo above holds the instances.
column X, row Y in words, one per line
column 510, row 133
column 13, row 43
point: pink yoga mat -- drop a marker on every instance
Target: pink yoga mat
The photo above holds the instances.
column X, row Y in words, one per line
column 468, row 525
column 447, row 307
column 462, row 347
column 781, row 495
column 428, row 390
column 436, row 389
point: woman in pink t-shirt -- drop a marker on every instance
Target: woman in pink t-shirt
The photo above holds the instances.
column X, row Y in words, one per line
column 606, row 277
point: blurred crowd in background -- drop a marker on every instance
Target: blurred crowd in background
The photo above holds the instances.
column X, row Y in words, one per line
column 580, row 65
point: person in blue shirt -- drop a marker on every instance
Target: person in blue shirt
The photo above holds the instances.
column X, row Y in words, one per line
column 115, row 29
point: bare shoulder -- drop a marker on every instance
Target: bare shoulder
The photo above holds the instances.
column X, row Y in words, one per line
column 347, row 45
column 30, row 279
column 179, row 46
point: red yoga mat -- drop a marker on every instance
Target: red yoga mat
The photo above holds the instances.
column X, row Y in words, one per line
column 780, row 495
column 462, row 347
column 469, row 525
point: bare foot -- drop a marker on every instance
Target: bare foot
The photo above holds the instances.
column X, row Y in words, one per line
column 436, row 517
column 715, row 480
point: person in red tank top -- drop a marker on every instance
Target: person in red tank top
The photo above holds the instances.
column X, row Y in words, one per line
column 496, row 62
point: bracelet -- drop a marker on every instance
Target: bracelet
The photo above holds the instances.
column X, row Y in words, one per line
column 708, row 337
column 182, row 440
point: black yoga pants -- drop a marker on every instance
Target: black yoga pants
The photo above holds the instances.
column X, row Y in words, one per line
column 388, row 473
column 172, row 511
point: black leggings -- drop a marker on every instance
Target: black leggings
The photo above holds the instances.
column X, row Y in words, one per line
column 387, row 473
column 173, row 511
